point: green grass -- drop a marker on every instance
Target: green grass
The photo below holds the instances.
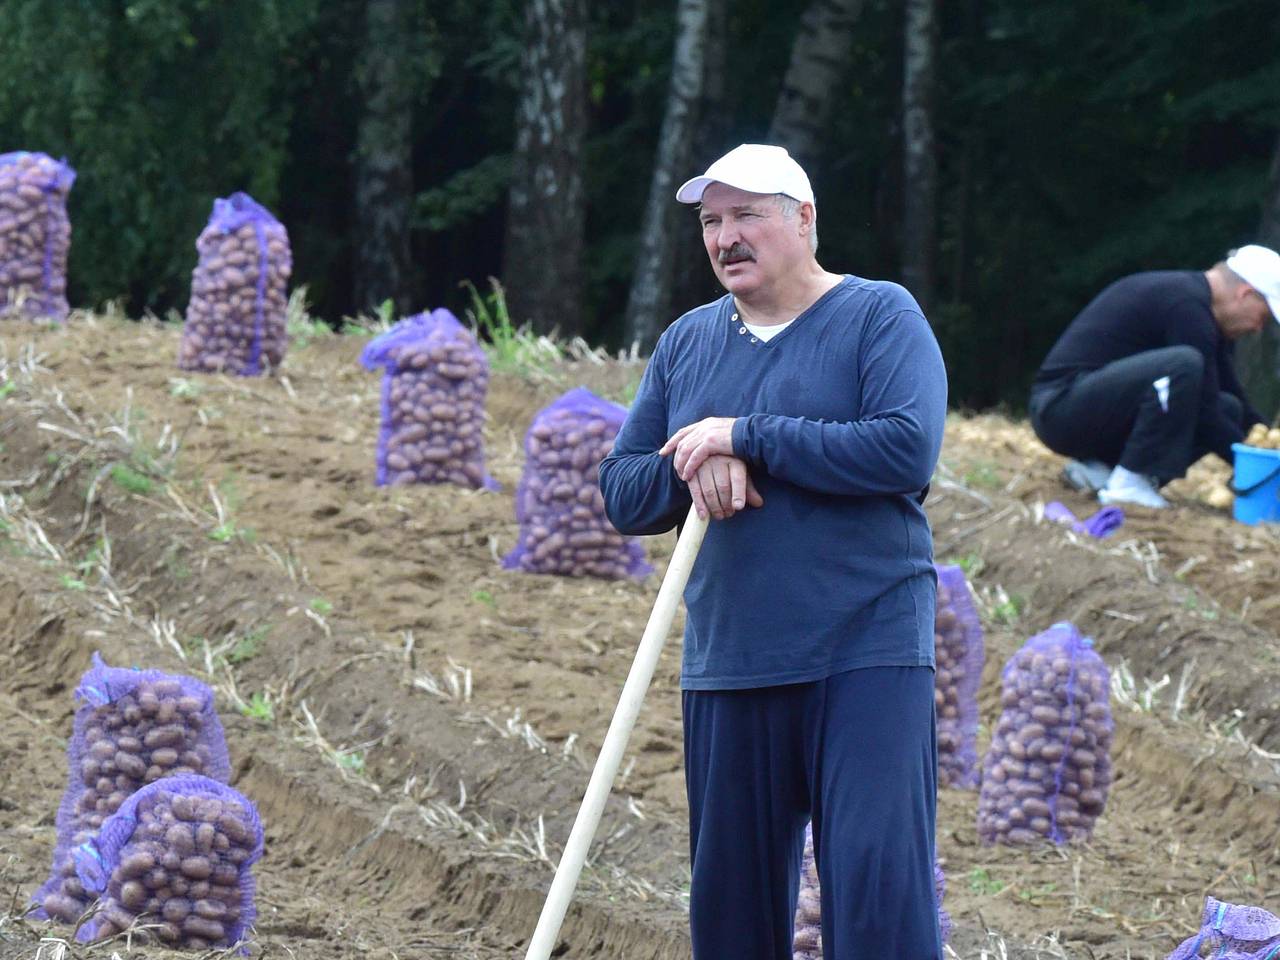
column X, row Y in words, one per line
column 983, row 475
column 7, row 388
column 970, row 563
column 353, row 761
column 321, row 606
column 131, row 481
column 71, row 583
column 259, row 708
column 248, row 646
column 485, row 597
column 1009, row 610
column 511, row 348
column 981, row 882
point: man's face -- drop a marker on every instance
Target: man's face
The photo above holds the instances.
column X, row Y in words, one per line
column 750, row 243
column 1249, row 313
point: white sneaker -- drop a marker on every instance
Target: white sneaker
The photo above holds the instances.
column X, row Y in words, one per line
column 1087, row 476
column 1125, row 486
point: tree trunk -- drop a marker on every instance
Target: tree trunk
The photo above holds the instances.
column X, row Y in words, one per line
column 1258, row 358
column 650, row 297
column 383, row 158
column 920, row 162
column 695, row 283
column 819, row 57
column 546, row 212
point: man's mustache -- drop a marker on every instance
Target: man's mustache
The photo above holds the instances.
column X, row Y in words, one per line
column 739, row 251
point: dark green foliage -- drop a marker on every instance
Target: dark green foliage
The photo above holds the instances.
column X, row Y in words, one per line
column 1078, row 141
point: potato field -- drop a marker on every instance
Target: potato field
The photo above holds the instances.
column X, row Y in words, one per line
column 415, row 720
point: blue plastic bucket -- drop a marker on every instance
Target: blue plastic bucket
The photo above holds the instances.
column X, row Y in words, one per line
column 1256, row 484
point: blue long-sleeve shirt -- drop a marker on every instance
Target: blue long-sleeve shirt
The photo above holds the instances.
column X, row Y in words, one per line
column 840, row 420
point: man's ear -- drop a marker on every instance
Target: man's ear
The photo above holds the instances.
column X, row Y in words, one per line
column 807, row 217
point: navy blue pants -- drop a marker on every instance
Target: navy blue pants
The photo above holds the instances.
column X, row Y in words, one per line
column 857, row 754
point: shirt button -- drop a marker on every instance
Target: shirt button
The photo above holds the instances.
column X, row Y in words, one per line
column 754, row 340
column 734, row 317
column 742, row 329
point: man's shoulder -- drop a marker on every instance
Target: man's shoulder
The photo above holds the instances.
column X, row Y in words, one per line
column 879, row 297
column 695, row 321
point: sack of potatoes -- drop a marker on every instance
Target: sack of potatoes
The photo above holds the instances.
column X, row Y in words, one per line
column 174, row 866
column 563, row 527
column 806, row 943
column 435, row 380
column 132, row 728
column 958, row 651
column 35, row 235
column 1048, row 770
column 236, row 317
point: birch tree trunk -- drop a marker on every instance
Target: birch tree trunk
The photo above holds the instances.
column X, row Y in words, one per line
column 819, row 56
column 919, row 158
column 1258, row 358
column 649, row 301
column 383, row 158
column 546, row 212
column 695, row 283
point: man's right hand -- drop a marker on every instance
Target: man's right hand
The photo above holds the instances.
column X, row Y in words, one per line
column 722, row 486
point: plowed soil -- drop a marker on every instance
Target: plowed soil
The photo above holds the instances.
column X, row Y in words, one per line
column 417, row 725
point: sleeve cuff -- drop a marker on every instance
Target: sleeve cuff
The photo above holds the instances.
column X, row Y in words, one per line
column 740, row 445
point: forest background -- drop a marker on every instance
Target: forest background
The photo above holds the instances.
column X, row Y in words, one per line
column 1004, row 159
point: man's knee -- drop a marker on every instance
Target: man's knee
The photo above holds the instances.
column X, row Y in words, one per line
column 1183, row 363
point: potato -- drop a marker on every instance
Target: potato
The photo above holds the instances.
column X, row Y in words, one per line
column 233, row 323
column 35, row 235
column 1065, row 747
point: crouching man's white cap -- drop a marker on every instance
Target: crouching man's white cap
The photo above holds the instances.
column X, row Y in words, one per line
column 1259, row 267
column 756, row 168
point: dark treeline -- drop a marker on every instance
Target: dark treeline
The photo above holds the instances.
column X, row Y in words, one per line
column 1004, row 159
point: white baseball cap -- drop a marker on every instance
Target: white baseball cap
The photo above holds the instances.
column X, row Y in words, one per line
column 1259, row 267
column 756, row 168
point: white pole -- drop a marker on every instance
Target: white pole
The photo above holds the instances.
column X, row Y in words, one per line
column 615, row 741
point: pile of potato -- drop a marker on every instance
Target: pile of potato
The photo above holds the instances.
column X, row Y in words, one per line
column 236, row 319
column 806, row 943
column 1260, row 435
column 1048, row 770
column 176, row 866
column 958, row 649
column 35, row 234
column 133, row 728
column 563, row 527
column 433, row 396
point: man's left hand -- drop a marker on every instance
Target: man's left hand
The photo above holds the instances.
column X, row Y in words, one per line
column 694, row 443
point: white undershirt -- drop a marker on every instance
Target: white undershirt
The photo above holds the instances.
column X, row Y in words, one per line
column 767, row 333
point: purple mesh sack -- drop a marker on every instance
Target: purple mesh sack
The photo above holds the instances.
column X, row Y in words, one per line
column 806, row 943
column 1232, row 932
column 175, row 865
column 563, row 527
column 132, row 727
column 236, row 314
column 35, row 234
column 433, row 395
column 1048, row 770
column 958, row 648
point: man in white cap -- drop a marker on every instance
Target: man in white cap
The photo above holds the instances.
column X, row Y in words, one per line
column 1142, row 383
column 803, row 412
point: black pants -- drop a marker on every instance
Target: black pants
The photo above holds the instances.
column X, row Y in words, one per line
column 1143, row 412
column 857, row 754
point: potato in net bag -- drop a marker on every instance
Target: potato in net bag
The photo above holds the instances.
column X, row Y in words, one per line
column 806, row 942
column 435, row 380
column 1232, row 932
column 563, row 527
column 958, row 649
column 132, row 728
column 174, row 865
column 236, row 317
column 35, row 234
column 1048, row 769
